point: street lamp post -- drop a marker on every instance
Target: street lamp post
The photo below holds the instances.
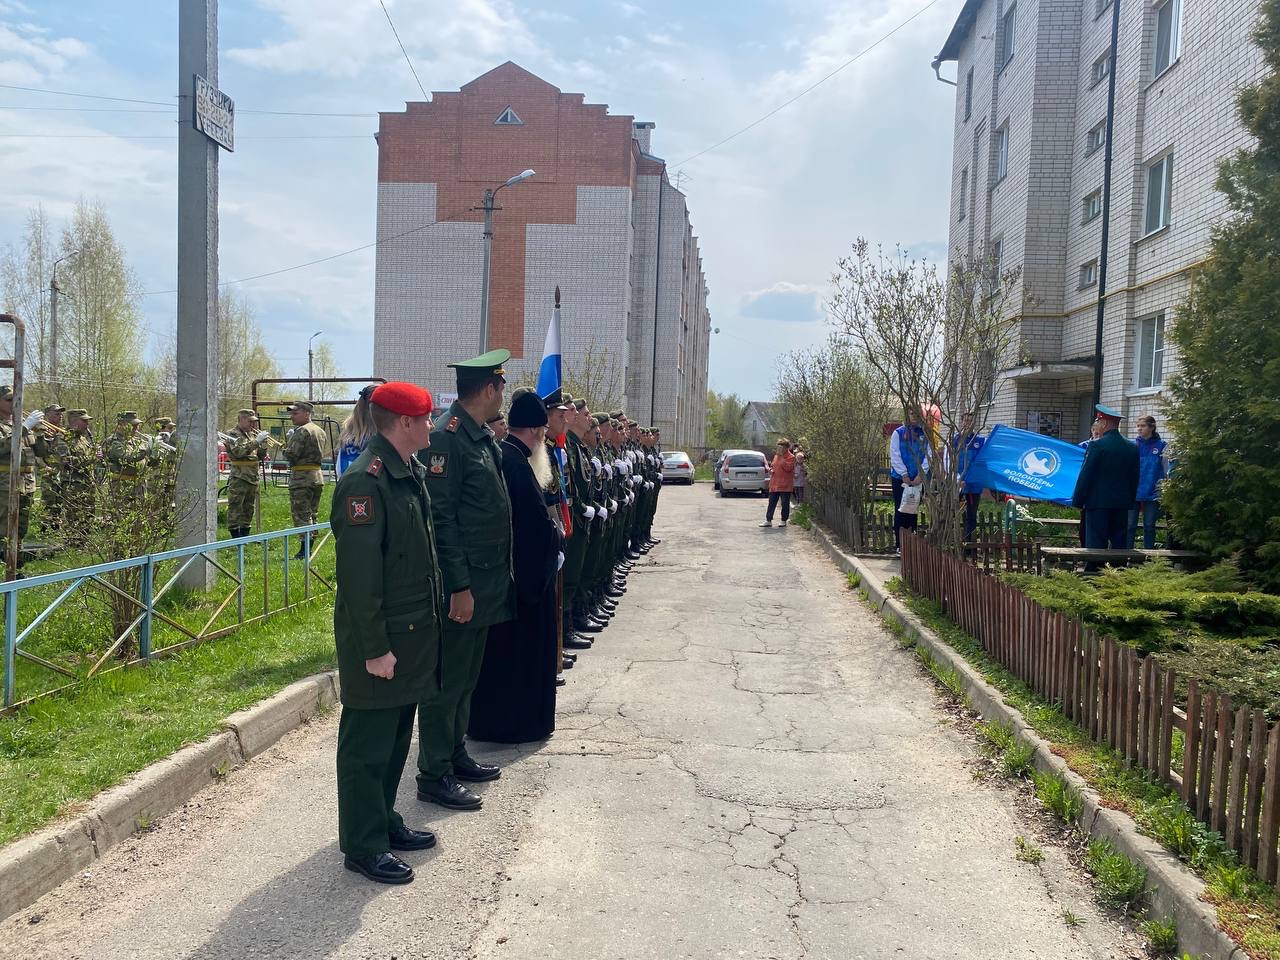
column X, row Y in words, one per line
column 488, row 209
column 311, row 387
column 54, row 289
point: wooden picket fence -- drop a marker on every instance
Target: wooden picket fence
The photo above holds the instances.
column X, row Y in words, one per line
column 1229, row 772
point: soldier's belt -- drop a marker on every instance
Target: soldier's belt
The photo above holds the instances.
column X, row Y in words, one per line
column 306, row 466
column 244, row 463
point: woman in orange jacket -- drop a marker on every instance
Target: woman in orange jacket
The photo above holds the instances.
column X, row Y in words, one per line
column 781, row 483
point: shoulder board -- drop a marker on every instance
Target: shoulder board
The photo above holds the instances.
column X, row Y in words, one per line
column 452, row 426
column 375, row 466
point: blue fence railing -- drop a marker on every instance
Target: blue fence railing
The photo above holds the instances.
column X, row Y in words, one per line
column 149, row 615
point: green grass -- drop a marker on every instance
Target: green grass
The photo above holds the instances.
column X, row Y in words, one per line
column 79, row 631
column 704, row 473
column 802, row 516
column 1057, row 796
column 62, row 750
column 1248, row 909
column 1162, row 935
column 1016, row 761
column 1119, row 880
column 1026, row 851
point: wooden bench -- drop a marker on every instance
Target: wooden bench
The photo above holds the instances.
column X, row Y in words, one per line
column 1054, row 556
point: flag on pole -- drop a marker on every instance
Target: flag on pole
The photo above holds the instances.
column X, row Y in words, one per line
column 549, row 372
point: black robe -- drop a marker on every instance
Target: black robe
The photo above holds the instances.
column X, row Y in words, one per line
column 515, row 699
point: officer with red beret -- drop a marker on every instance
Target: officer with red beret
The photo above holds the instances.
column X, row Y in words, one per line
column 386, row 626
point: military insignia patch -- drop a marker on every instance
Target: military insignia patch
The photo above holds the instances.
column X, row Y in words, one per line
column 360, row 509
column 452, row 426
column 438, row 464
column 375, row 467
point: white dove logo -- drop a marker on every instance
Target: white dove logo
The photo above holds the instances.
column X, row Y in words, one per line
column 1040, row 462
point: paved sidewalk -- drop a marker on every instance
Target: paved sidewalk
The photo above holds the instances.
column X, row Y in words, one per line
column 744, row 766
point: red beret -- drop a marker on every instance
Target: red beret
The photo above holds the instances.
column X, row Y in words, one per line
column 406, row 399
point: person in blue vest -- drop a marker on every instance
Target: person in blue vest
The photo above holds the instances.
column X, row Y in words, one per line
column 1107, row 486
column 908, row 465
column 1153, row 466
column 964, row 447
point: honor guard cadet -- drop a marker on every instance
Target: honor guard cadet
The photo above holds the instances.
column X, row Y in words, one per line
column 472, row 516
column 27, row 468
column 125, row 455
column 386, row 626
column 246, row 449
column 305, row 451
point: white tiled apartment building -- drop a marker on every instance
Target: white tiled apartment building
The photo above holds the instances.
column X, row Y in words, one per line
column 600, row 220
column 1027, row 173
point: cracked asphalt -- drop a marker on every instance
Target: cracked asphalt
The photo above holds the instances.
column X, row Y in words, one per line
column 745, row 766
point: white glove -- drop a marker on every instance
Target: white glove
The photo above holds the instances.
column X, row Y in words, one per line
column 613, row 505
column 608, row 470
column 559, row 560
column 33, row 419
column 648, row 484
column 589, row 512
column 263, row 435
column 618, row 465
column 595, row 462
column 604, row 513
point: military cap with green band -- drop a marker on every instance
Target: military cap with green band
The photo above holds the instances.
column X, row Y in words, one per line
column 482, row 367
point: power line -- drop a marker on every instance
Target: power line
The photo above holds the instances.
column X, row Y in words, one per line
column 112, row 136
column 87, row 96
column 782, row 106
column 154, row 103
column 404, row 51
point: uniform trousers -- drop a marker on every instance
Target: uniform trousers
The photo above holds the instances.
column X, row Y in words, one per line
column 372, row 748
column 304, row 496
column 575, row 557
column 241, row 495
column 445, row 713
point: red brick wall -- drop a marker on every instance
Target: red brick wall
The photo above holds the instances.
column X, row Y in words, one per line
column 454, row 143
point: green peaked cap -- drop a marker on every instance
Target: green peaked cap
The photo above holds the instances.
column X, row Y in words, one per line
column 486, row 365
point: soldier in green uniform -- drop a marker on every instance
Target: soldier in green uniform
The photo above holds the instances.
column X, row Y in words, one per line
column 125, row 455
column 585, row 528
column 305, row 451
column 27, row 467
column 79, row 468
column 472, row 516
column 386, row 626
column 245, row 451
column 49, row 440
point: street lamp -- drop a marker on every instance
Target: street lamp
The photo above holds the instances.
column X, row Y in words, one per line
column 488, row 209
column 53, row 319
column 311, row 387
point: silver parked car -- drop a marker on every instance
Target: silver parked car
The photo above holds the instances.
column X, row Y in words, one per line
column 740, row 470
column 677, row 467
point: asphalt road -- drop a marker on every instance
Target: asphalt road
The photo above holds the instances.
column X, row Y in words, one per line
column 744, row 766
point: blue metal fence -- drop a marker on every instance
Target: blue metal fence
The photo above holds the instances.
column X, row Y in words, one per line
column 150, row 593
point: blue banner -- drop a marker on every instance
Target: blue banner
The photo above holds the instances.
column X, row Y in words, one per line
column 1026, row 464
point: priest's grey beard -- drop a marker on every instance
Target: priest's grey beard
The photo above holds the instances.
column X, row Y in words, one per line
column 541, row 465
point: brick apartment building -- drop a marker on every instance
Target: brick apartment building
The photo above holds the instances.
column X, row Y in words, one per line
column 599, row 219
column 1027, row 170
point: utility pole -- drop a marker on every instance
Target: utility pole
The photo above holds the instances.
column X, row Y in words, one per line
column 311, row 385
column 488, row 208
column 197, row 286
column 54, row 290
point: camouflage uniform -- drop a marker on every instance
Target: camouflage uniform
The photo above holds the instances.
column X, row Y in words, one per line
column 26, row 481
column 125, row 454
column 50, row 445
column 164, row 460
column 305, row 450
column 245, row 452
column 78, row 479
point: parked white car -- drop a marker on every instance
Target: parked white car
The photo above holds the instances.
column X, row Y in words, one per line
column 742, row 470
column 677, row 467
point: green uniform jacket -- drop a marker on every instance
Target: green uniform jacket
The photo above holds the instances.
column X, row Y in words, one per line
column 581, row 475
column 246, row 448
column 124, row 454
column 305, row 448
column 388, row 579
column 472, row 514
column 26, row 461
column 1109, row 478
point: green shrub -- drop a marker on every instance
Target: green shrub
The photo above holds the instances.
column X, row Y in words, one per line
column 1017, row 760
column 1120, row 881
column 997, row 737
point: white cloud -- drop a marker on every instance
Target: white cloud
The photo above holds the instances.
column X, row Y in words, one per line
column 27, row 56
column 782, row 286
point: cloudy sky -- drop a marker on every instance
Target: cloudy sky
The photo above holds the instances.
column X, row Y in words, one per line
column 868, row 152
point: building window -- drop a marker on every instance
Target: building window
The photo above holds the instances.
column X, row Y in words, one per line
column 964, row 192
column 1159, row 194
column 1101, row 69
column 1100, row 7
column 508, row 118
column 997, row 259
column 1092, row 207
column 1008, row 23
column 1002, row 152
column 1096, row 139
column 968, row 95
column 1088, row 274
column 1150, row 351
column 1168, row 35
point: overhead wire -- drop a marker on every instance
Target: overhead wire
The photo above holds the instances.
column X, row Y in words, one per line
column 403, row 50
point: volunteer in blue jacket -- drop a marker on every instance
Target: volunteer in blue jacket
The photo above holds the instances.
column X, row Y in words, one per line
column 1153, row 466
column 964, row 448
column 908, row 465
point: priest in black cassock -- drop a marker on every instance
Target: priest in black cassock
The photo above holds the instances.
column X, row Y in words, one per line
column 515, row 700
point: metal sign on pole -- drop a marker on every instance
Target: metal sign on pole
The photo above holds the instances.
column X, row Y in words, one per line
column 215, row 113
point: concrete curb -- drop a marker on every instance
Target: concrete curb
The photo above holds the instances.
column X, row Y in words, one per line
column 1173, row 890
column 34, row 865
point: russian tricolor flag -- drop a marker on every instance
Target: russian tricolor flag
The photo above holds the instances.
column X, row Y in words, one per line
column 549, row 372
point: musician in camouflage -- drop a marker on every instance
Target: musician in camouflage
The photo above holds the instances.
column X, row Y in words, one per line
column 246, row 449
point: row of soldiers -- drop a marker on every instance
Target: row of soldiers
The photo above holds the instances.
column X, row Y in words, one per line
column 58, row 445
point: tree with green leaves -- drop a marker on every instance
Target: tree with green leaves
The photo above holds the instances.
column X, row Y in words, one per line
column 1224, row 406
column 724, row 421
